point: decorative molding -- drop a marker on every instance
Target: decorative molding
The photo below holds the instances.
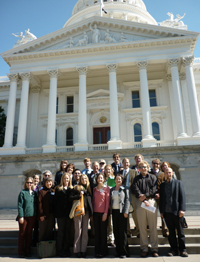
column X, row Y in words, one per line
column 182, row 76
column 169, row 77
column 112, row 67
column 82, row 70
column 35, row 89
column 173, row 62
column 53, row 73
column 142, row 65
column 13, row 77
column 25, row 76
column 187, row 61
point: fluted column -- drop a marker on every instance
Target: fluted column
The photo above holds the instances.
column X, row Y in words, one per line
column 173, row 64
column 148, row 140
column 192, row 95
column 115, row 141
column 23, row 112
column 82, row 144
column 51, row 125
column 11, row 111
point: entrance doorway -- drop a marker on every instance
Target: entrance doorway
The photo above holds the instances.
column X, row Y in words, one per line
column 101, row 135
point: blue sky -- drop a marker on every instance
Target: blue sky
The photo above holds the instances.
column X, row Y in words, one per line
column 46, row 16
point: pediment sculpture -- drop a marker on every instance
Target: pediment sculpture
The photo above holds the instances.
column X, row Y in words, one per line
column 174, row 22
column 24, row 38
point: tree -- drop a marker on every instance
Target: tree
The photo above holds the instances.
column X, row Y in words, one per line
column 2, row 125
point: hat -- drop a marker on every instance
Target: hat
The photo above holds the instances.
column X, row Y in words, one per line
column 102, row 161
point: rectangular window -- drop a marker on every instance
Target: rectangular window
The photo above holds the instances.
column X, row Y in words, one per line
column 57, row 106
column 135, row 99
column 70, row 104
column 152, row 97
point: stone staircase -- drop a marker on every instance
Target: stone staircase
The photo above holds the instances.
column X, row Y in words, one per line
column 8, row 243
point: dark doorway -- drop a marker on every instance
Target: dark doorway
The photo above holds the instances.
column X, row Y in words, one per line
column 101, row 135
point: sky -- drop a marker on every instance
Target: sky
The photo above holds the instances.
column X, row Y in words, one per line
column 46, row 16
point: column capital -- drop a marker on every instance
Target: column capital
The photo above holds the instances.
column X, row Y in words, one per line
column 53, row 73
column 25, row 76
column 187, row 61
column 13, row 77
column 82, row 70
column 174, row 62
column 182, row 76
column 112, row 67
column 169, row 77
column 35, row 88
column 142, row 65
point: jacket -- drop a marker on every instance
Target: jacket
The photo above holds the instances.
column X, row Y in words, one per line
column 178, row 197
column 124, row 201
column 27, row 203
column 46, row 202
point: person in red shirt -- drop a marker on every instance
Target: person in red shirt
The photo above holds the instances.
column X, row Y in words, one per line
column 100, row 202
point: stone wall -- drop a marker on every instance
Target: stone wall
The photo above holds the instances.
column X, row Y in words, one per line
column 185, row 160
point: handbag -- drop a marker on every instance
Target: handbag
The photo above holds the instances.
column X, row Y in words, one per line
column 75, row 203
column 46, row 249
column 80, row 210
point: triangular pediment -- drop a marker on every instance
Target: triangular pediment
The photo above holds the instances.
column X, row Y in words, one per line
column 101, row 93
column 112, row 33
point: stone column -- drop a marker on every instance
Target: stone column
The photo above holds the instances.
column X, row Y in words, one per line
column 115, row 142
column 148, row 139
column 23, row 112
column 51, row 126
column 82, row 143
column 192, row 95
column 11, row 111
column 173, row 64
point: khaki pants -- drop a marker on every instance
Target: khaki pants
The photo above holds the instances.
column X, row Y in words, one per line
column 145, row 218
column 133, row 201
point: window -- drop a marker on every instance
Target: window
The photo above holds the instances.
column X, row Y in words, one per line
column 70, row 104
column 152, row 97
column 69, row 137
column 57, row 106
column 56, row 137
column 135, row 99
column 156, row 130
column 137, row 132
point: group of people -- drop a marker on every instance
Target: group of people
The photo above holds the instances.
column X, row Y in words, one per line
column 110, row 193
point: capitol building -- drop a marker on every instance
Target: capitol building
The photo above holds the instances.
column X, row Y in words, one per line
column 113, row 81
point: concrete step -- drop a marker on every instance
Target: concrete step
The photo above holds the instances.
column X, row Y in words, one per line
column 133, row 249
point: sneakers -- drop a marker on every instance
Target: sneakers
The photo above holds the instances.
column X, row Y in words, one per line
column 184, row 254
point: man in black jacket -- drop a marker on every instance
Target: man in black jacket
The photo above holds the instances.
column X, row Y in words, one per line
column 172, row 208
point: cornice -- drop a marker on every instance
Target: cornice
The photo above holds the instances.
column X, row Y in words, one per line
column 156, row 82
column 139, row 109
column 101, row 48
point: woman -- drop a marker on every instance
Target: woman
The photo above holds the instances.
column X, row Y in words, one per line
column 46, row 198
column 109, row 181
column 27, row 207
column 100, row 202
column 36, row 181
column 70, row 170
column 63, row 168
column 81, row 222
column 119, row 204
column 64, row 196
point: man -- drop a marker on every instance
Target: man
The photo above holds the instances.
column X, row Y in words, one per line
column 102, row 164
column 129, row 176
column 116, row 165
column 76, row 177
column 138, row 159
column 93, row 175
column 87, row 170
column 155, row 170
column 172, row 209
column 46, row 174
column 144, row 187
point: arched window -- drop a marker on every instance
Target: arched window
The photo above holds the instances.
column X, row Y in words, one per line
column 156, row 130
column 137, row 132
column 69, row 137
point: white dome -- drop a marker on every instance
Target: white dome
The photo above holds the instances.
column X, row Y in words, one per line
column 130, row 10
